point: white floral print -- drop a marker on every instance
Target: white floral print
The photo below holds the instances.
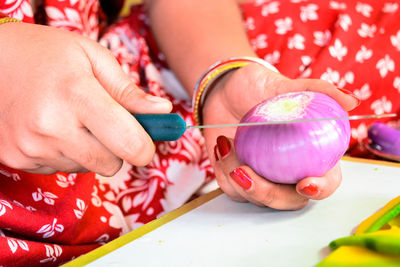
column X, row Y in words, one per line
column 52, row 253
column 338, row 50
column 14, row 244
column 396, row 83
column 390, row 7
column 309, row 12
column 3, row 206
column 81, row 207
column 270, row 8
column 283, row 25
column 385, row 65
column 364, row 92
column 337, row 5
column 273, row 58
column 395, row 39
column 47, row 197
column 322, row 38
column 250, row 23
column 364, row 9
column 344, row 21
column 381, row 106
column 15, row 176
column 260, row 42
column 360, row 133
column 366, row 30
column 363, row 54
column 48, row 230
column 66, row 180
column 296, row 42
column 331, row 76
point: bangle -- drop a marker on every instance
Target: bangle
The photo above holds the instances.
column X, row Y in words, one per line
column 5, row 19
column 202, row 86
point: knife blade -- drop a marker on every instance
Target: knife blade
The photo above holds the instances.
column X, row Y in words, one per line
column 171, row 126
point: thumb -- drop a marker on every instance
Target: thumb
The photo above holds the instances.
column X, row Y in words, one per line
column 110, row 75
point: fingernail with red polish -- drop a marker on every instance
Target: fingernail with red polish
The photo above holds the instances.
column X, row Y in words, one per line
column 310, row 190
column 224, row 146
column 347, row 92
column 215, row 153
column 241, row 178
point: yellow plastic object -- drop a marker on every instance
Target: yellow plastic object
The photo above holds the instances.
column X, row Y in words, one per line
column 376, row 241
column 359, row 257
column 383, row 241
column 385, row 218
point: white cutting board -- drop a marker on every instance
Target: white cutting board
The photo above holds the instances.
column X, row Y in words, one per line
column 225, row 233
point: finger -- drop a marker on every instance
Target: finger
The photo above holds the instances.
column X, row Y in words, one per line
column 277, row 196
column 115, row 127
column 253, row 187
column 111, row 76
column 223, row 182
column 63, row 164
column 90, row 154
column 227, row 162
column 41, row 170
column 321, row 187
column 45, row 157
column 344, row 97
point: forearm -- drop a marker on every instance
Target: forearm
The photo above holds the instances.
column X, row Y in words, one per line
column 195, row 34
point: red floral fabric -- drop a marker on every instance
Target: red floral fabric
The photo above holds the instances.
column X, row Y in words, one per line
column 51, row 219
column 355, row 45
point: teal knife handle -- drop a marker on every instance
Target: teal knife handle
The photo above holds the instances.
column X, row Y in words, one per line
column 162, row 127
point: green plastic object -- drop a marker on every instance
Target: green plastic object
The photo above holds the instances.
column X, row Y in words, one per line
column 162, row 127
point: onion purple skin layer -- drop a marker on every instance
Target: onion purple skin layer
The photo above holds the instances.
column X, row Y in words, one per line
column 288, row 153
column 384, row 138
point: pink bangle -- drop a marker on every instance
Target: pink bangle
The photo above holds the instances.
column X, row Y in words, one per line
column 202, row 86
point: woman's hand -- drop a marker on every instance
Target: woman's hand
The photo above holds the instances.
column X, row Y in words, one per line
column 65, row 104
column 235, row 94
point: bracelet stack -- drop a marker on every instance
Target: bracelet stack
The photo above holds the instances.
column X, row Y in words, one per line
column 201, row 89
column 5, row 19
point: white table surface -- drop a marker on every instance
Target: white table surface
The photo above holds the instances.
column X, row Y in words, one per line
column 225, row 233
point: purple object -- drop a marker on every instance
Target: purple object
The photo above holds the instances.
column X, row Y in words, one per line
column 287, row 153
column 384, row 138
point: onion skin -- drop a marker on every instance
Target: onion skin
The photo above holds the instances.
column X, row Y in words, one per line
column 287, row 153
column 384, row 138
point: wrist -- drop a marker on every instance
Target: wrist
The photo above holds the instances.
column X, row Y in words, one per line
column 215, row 77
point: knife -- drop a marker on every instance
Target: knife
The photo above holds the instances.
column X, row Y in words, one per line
column 171, row 126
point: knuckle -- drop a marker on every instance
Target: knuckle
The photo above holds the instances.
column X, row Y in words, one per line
column 29, row 148
column 127, row 92
column 12, row 160
column 43, row 125
column 268, row 197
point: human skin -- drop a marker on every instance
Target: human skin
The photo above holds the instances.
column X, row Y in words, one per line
column 65, row 104
column 57, row 85
column 200, row 33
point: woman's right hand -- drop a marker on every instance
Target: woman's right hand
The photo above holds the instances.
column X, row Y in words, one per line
column 66, row 104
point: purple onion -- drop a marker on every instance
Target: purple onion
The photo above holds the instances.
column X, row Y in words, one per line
column 287, row 153
column 384, row 138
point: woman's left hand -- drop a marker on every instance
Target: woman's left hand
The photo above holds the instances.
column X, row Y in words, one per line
column 230, row 99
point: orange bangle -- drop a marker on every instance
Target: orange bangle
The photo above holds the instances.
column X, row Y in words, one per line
column 202, row 86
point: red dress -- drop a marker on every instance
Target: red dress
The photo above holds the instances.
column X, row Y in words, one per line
column 51, row 219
